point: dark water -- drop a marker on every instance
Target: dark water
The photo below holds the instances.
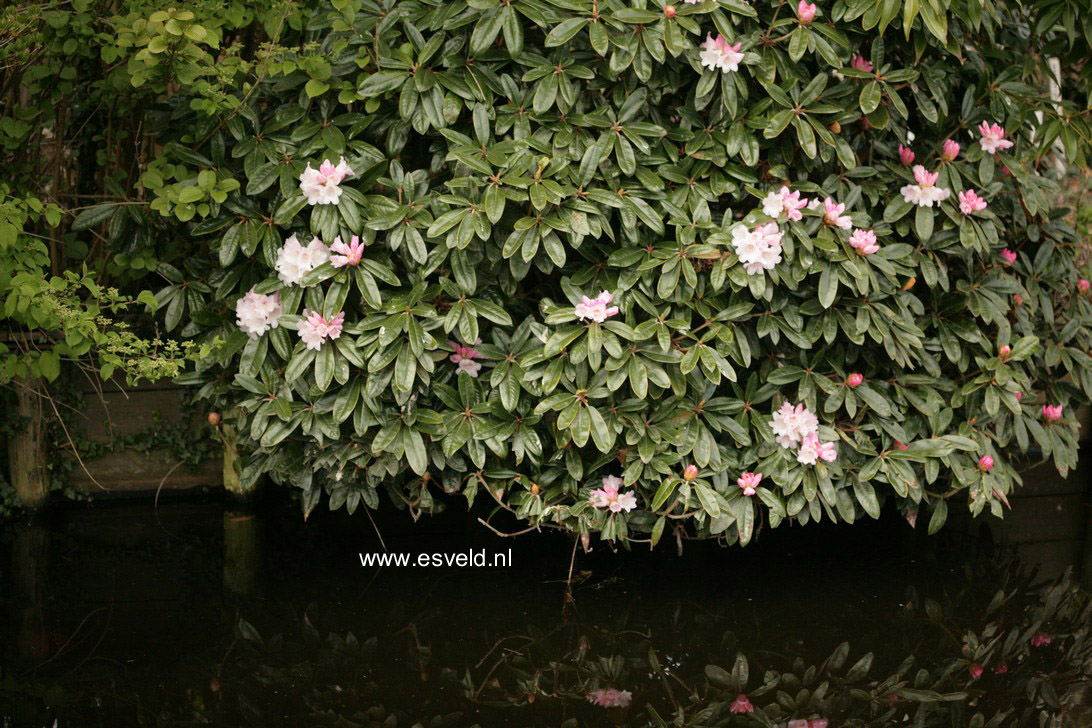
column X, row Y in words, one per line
column 193, row 613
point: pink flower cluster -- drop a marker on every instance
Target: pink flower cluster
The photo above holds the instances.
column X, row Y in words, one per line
column 833, row 217
column 805, row 12
column 864, row 242
column 1008, row 256
column 784, row 202
column 256, row 313
column 925, row 193
column 798, row 427
column 748, row 482
column 596, row 309
column 464, row 356
column 970, row 202
column 346, row 253
column 321, row 186
column 758, row 249
column 314, row 329
column 993, row 138
column 720, row 54
column 610, row 698
column 609, row 497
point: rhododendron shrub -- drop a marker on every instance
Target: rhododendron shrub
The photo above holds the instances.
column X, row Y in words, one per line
column 630, row 270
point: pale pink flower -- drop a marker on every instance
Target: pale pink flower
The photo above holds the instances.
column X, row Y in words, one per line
column 758, row 249
column 784, row 202
column 347, row 253
column 970, row 202
column 854, row 380
column 720, row 54
column 609, row 497
column 906, row 155
column 256, row 313
column 610, row 698
column 864, row 242
column 1082, row 285
column 748, row 482
column 690, row 473
column 742, row 704
column 950, row 151
column 1052, row 412
column 832, row 215
column 791, row 424
column 993, row 137
column 812, row 450
column 321, row 186
column 805, row 11
column 294, row 261
column 596, row 309
column 858, row 61
column 976, row 671
column 1008, row 256
column 985, row 463
column 925, row 193
column 1040, row 638
column 464, row 357
column 314, row 329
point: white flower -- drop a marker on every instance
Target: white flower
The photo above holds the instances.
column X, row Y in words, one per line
column 758, row 249
column 812, row 450
column 321, row 186
column 294, row 261
column 791, row 425
column 256, row 313
column 719, row 54
column 469, row 366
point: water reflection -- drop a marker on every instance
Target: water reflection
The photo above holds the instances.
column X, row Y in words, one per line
column 197, row 615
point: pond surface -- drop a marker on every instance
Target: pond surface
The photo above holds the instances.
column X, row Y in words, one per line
column 197, row 613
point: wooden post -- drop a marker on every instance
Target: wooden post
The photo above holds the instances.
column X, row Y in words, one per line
column 242, row 551
column 27, row 446
column 233, row 476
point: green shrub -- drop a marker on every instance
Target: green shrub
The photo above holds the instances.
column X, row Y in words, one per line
column 508, row 159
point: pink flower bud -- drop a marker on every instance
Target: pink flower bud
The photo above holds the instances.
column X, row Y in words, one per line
column 854, row 380
column 805, row 11
column 1052, row 412
column 1040, row 638
column 690, row 472
column 900, row 446
column 906, row 156
column 1005, row 351
column 742, row 705
column 1082, row 285
column 1017, row 299
column 1008, row 256
column 669, row 11
column 950, row 151
column 976, row 670
column 1002, row 668
column 985, row 463
column 1019, row 396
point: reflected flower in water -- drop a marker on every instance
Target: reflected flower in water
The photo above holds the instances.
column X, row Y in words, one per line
column 610, row 698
